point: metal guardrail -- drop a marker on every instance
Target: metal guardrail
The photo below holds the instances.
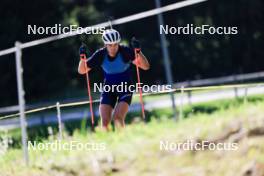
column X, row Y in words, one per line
column 201, row 82
column 144, row 94
column 222, row 80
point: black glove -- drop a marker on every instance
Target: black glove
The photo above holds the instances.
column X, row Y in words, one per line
column 83, row 51
column 135, row 44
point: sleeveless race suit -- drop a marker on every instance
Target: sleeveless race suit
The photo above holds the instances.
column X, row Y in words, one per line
column 116, row 70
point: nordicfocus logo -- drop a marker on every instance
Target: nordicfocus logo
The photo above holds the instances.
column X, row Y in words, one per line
column 197, row 146
column 198, row 30
column 125, row 87
column 66, row 146
column 59, row 29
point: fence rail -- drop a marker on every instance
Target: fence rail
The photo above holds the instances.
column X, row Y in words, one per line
column 222, row 80
column 182, row 89
column 201, row 82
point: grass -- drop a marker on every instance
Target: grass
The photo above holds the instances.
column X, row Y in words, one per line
column 39, row 133
column 136, row 149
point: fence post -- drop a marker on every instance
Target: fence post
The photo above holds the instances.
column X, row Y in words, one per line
column 21, row 100
column 166, row 57
column 189, row 93
column 181, row 103
column 59, row 120
column 245, row 95
column 235, row 88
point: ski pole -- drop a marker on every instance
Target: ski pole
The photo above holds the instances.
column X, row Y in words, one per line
column 83, row 57
column 138, row 79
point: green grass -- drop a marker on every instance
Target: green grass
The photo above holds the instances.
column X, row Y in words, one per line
column 39, row 133
column 135, row 150
column 190, row 110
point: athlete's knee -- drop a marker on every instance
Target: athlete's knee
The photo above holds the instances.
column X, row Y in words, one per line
column 105, row 122
column 105, row 119
column 105, row 113
column 118, row 116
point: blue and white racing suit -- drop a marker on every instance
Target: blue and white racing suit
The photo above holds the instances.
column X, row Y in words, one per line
column 116, row 70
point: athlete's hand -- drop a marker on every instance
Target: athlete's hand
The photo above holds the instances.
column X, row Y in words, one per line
column 136, row 44
column 83, row 51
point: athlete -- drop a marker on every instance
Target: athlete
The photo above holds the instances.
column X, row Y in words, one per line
column 115, row 60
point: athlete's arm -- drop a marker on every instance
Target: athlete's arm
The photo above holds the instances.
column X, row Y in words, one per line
column 141, row 61
column 85, row 65
column 83, row 68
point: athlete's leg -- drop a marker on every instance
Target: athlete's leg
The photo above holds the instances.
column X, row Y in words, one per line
column 120, row 112
column 108, row 101
column 105, row 113
column 121, row 109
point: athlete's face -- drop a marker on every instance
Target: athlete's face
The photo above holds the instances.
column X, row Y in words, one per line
column 112, row 49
